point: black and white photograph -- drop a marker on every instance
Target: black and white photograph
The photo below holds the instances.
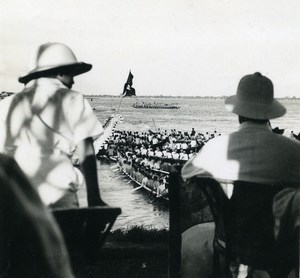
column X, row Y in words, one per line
column 147, row 138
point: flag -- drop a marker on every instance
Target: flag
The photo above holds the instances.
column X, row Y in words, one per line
column 129, row 79
column 128, row 90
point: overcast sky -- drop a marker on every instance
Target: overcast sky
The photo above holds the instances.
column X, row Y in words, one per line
column 173, row 47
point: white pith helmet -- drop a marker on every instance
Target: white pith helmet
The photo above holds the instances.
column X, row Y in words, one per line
column 53, row 58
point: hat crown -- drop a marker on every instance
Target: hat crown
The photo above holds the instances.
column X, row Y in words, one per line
column 255, row 99
column 255, row 88
column 53, row 58
column 52, row 55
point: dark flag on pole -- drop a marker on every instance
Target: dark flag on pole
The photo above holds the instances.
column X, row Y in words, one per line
column 128, row 90
column 129, row 79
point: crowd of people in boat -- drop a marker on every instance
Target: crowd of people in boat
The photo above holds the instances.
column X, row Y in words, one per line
column 155, row 105
column 153, row 180
column 146, row 157
column 157, row 147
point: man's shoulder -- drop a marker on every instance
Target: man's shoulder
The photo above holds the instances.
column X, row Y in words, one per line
column 70, row 92
column 278, row 139
column 214, row 148
column 287, row 142
column 217, row 141
column 72, row 98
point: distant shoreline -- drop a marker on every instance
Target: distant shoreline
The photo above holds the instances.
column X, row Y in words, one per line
column 188, row 97
column 4, row 94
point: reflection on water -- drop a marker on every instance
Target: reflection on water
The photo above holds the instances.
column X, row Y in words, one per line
column 137, row 209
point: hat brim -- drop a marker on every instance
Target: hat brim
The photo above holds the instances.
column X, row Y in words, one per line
column 258, row 111
column 72, row 69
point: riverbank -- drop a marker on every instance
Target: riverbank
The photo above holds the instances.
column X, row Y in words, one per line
column 133, row 253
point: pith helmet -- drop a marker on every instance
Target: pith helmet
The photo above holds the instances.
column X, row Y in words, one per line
column 52, row 58
column 255, row 99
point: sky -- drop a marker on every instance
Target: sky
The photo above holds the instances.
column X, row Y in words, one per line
column 172, row 47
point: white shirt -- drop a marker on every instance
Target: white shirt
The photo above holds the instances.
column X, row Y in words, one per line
column 154, row 141
column 150, row 153
column 158, row 153
column 184, row 146
column 169, row 155
column 193, row 143
column 143, row 151
column 175, row 155
column 42, row 126
column 183, row 156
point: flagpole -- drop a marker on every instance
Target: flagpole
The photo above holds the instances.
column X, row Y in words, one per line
column 119, row 104
column 130, row 76
column 154, row 124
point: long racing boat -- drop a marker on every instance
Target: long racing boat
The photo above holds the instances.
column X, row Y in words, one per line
column 156, row 194
column 154, row 105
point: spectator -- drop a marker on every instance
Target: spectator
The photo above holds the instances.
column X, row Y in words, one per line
column 253, row 153
column 46, row 121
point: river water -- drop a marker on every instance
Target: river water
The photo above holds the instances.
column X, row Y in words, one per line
column 205, row 115
column 137, row 208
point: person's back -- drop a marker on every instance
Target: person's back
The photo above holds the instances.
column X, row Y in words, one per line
column 40, row 132
column 150, row 183
column 139, row 176
column 254, row 155
column 144, row 181
column 42, row 125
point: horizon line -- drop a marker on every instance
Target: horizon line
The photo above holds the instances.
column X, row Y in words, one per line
column 175, row 96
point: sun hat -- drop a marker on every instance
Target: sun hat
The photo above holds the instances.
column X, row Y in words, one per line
column 52, row 58
column 255, row 99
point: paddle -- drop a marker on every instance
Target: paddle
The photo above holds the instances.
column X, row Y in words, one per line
column 158, row 196
column 137, row 188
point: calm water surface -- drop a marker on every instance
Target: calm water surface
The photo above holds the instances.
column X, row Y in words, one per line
column 202, row 114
